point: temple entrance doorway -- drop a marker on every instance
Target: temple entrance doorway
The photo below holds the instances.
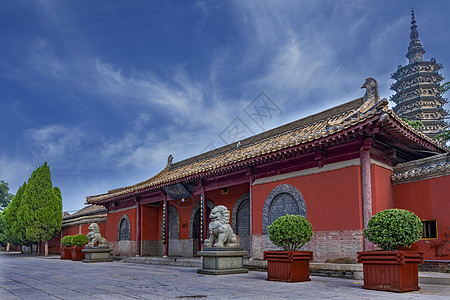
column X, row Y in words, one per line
column 194, row 226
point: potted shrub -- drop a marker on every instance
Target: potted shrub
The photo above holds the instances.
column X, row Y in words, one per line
column 392, row 269
column 289, row 232
column 66, row 242
column 78, row 242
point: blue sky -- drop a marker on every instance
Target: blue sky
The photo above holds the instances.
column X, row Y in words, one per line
column 104, row 91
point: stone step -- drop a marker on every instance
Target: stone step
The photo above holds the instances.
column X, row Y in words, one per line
column 349, row 271
column 165, row 261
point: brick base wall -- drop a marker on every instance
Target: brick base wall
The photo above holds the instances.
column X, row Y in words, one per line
column 331, row 245
column 123, row 248
column 326, row 245
column 435, row 266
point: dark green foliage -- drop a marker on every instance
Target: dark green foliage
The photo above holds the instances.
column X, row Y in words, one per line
column 5, row 196
column 3, row 236
column 79, row 240
column 445, row 86
column 414, row 124
column 443, row 137
column 14, row 226
column 393, row 228
column 291, row 232
column 41, row 208
column 67, row 241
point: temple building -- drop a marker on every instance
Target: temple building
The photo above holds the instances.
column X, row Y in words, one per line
column 337, row 168
column 418, row 96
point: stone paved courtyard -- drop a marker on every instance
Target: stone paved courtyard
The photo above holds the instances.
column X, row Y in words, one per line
column 31, row 277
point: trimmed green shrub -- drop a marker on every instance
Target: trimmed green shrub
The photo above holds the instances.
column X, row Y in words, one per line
column 79, row 240
column 67, row 241
column 393, row 228
column 291, row 232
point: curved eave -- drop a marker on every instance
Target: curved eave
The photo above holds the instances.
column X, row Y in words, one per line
column 405, row 133
column 302, row 144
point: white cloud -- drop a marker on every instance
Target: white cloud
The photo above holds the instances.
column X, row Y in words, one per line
column 54, row 141
column 14, row 171
column 184, row 100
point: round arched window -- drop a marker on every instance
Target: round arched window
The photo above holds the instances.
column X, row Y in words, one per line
column 282, row 205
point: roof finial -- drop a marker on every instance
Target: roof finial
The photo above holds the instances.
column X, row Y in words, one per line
column 414, row 33
column 415, row 50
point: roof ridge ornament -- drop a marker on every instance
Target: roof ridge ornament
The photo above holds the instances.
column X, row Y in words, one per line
column 169, row 162
column 371, row 95
column 371, row 101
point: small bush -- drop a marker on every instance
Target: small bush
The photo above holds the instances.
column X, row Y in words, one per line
column 291, row 232
column 79, row 240
column 393, row 228
column 67, row 241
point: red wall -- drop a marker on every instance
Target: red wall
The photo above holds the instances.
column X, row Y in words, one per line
column 54, row 245
column 150, row 223
column 75, row 229
column 333, row 199
column 72, row 230
column 428, row 199
column 113, row 224
column 382, row 192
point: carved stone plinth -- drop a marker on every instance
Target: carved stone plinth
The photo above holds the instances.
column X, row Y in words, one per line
column 222, row 261
column 97, row 254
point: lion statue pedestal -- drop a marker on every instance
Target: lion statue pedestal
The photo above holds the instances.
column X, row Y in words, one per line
column 222, row 254
column 97, row 250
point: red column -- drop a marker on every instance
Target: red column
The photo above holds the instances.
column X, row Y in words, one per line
column 203, row 229
column 252, row 180
column 366, row 182
column 138, row 227
column 165, row 221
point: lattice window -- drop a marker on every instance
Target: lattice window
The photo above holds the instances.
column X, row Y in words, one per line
column 429, row 229
column 174, row 223
column 243, row 219
column 124, row 229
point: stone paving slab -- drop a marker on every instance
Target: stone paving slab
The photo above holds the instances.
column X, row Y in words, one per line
column 31, row 277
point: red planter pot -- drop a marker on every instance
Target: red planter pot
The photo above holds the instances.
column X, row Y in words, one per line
column 395, row 271
column 65, row 253
column 76, row 252
column 288, row 266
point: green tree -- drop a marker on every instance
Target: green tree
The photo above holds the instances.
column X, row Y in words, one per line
column 41, row 209
column 14, row 228
column 414, row 124
column 3, row 236
column 444, row 136
column 5, row 196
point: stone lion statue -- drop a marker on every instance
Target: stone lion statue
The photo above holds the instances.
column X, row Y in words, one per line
column 95, row 238
column 220, row 232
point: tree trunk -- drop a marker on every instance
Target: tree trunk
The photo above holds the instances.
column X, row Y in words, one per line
column 46, row 248
column 7, row 247
column 31, row 249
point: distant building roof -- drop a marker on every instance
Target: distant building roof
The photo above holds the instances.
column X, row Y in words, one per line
column 88, row 214
column 426, row 168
